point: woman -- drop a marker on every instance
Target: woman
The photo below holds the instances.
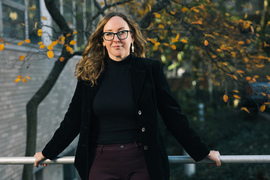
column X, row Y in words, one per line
column 114, row 109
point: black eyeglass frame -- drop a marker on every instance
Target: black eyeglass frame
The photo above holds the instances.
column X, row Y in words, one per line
column 117, row 34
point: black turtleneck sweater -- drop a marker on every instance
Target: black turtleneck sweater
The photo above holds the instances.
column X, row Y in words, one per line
column 114, row 112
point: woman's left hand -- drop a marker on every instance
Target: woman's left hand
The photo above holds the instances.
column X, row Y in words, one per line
column 214, row 156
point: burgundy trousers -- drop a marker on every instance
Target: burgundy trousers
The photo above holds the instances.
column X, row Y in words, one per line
column 118, row 162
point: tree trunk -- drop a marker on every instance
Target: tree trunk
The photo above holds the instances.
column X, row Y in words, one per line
column 32, row 105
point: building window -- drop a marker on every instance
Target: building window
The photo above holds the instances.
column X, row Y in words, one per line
column 33, row 20
column 19, row 21
column 13, row 19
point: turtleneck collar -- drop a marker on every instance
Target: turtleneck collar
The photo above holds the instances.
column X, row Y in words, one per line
column 119, row 63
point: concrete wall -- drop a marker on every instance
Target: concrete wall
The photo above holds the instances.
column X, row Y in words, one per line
column 13, row 99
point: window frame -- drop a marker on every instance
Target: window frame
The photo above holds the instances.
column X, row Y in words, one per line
column 15, row 6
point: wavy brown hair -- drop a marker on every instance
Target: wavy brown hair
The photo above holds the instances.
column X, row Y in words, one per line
column 93, row 58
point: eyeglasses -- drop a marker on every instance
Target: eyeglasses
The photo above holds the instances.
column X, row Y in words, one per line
column 108, row 36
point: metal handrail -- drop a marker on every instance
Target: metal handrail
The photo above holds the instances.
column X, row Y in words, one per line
column 172, row 159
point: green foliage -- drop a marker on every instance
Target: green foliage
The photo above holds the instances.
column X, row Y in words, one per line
column 232, row 132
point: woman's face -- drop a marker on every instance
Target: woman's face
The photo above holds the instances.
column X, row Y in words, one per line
column 117, row 49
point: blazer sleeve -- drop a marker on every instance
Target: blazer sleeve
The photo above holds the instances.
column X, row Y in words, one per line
column 175, row 121
column 69, row 127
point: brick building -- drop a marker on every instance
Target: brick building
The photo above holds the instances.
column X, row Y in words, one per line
column 19, row 20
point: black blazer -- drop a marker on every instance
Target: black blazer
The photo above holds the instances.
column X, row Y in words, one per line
column 151, row 93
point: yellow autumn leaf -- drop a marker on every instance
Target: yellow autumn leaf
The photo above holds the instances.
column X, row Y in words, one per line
column 68, row 35
column 227, row 14
column 27, row 41
column 152, row 40
column 54, row 43
column 7, row 43
column 173, row 13
column 240, row 71
column 20, row 43
column 256, row 76
column 50, row 54
column 61, row 59
column 245, row 109
column 267, row 103
column 149, row 7
column 157, row 15
column 234, row 77
column 219, row 50
column 184, row 9
column 22, row 57
column 210, row 35
column 225, row 98
column 263, row 93
column 50, row 47
column 241, row 42
column 268, row 77
column 44, row 18
column 27, row 77
column 257, row 12
column 69, row 49
column 20, row 76
column 165, row 44
column 262, row 108
column 24, row 80
column 176, row 38
column 63, row 38
column 260, row 66
column 22, row 24
column 248, row 41
column 101, row 3
column 246, row 15
column 33, row 7
column 40, row 43
column 75, row 32
column 235, row 91
column 195, row 10
column 157, row 43
column 161, row 26
column 2, row 46
column 206, row 43
column 72, row 42
column 184, row 41
column 173, row 47
column 248, row 78
column 42, row 46
column 17, row 80
column 40, row 32
column 236, row 97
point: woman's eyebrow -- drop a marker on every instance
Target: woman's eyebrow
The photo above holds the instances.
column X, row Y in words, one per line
column 108, row 30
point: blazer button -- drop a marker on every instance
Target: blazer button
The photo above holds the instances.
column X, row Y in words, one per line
column 140, row 112
column 143, row 129
column 145, row 147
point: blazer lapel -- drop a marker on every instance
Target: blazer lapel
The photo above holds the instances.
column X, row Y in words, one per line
column 137, row 75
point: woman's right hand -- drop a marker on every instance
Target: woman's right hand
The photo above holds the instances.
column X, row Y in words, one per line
column 39, row 157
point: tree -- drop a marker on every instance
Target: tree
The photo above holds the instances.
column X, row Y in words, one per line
column 226, row 49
